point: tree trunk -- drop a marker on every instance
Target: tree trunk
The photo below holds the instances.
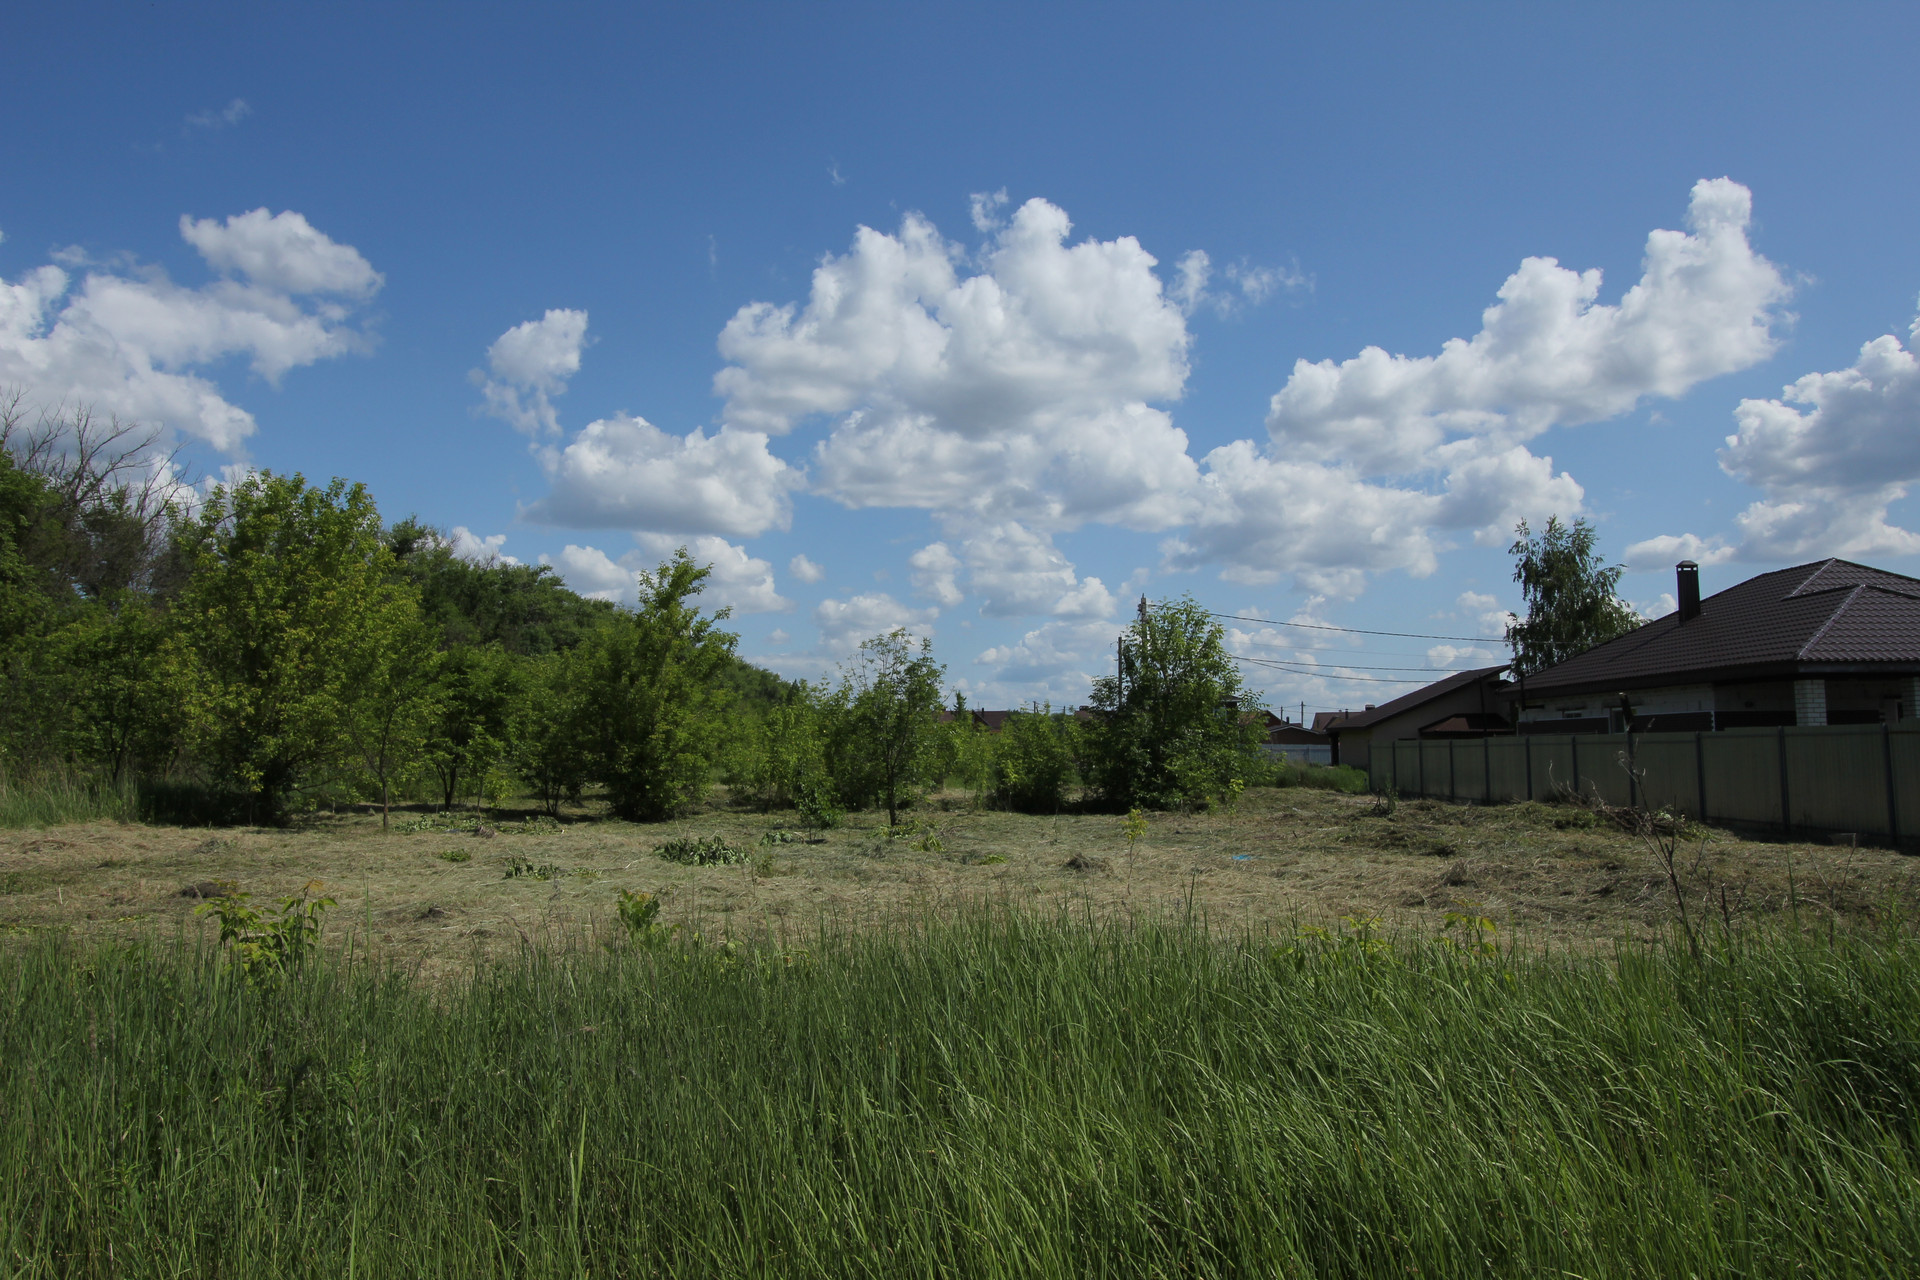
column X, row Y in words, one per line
column 385, row 806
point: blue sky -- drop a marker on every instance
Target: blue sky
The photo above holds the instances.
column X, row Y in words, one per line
column 592, row 282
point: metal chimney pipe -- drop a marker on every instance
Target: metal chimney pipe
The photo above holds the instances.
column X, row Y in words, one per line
column 1688, row 574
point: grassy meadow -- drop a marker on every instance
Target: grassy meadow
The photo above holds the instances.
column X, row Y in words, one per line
column 1318, row 1036
column 993, row 1093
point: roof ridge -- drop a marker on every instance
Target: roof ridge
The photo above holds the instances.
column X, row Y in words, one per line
column 1806, row 586
column 1833, row 617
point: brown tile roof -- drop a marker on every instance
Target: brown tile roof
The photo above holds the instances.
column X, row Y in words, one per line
column 1810, row 618
column 1408, row 701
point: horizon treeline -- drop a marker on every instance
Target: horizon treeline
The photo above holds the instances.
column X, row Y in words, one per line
column 273, row 646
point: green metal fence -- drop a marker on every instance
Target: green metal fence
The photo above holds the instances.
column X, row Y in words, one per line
column 1812, row 781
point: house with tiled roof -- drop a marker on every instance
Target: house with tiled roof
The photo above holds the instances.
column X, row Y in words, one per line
column 1466, row 704
column 1830, row 642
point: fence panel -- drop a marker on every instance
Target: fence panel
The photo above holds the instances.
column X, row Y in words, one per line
column 1836, row 777
column 1668, row 766
column 1743, row 775
column 1903, row 746
column 1509, row 769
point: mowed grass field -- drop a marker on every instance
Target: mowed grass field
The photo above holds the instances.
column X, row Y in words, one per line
column 434, row 899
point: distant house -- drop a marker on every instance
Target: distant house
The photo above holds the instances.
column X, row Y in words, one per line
column 1831, row 642
column 1466, row 704
column 1296, row 742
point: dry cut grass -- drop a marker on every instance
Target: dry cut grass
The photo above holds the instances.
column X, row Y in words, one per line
column 1552, row 873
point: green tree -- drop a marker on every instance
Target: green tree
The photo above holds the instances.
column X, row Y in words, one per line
column 1033, row 762
column 1171, row 726
column 392, row 690
column 886, row 732
column 548, row 729
column 118, row 686
column 657, row 681
column 270, row 625
column 1571, row 605
column 472, row 725
column 788, row 750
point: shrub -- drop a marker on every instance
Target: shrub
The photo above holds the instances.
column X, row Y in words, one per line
column 1033, row 760
column 701, row 851
column 1323, row 777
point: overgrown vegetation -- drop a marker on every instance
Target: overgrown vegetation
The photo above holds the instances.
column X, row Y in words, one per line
column 253, row 651
column 999, row 1094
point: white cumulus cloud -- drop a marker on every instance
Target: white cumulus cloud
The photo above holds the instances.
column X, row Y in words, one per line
column 1548, row 352
column 1374, row 461
column 530, row 364
column 1829, row 457
column 739, row 581
column 1022, row 390
column 470, row 546
column 936, row 573
column 625, row 473
column 805, row 570
column 129, row 342
column 845, row 623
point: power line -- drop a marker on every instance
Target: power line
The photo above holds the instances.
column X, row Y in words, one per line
column 1357, row 666
column 1330, row 676
column 1357, row 631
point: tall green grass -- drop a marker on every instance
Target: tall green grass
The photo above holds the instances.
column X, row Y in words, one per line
column 1322, row 777
column 50, row 798
column 995, row 1096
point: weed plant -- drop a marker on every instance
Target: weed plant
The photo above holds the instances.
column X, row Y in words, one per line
column 701, row 851
column 992, row 1095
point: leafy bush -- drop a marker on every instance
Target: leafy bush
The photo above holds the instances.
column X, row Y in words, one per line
column 1033, row 760
column 1322, row 777
column 267, row 945
column 701, row 851
column 817, row 805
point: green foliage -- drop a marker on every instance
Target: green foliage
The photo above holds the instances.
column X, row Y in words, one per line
column 817, row 806
column 290, row 586
column 55, row 796
column 656, row 682
column 1177, row 724
column 701, row 851
column 455, row 855
column 966, row 751
column 1079, row 1099
column 1033, row 760
column 1337, row 777
column 522, row 868
column 268, row 945
column 1570, row 595
column 884, row 730
column 787, row 750
column 549, row 726
column 471, row 730
column 392, row 694
column 523, row 609
column 639, row 915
